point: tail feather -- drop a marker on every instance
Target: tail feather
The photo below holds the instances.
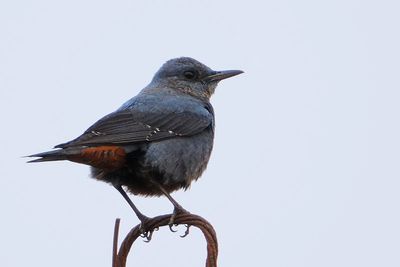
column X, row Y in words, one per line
column 108, row 157
column 60, row 154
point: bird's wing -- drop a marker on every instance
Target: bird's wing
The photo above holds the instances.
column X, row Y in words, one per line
column 132, row 126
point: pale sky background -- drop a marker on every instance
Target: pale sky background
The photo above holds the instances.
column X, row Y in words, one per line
column 305, row 170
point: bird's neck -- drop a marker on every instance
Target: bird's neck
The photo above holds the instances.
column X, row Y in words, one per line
column 177, row 90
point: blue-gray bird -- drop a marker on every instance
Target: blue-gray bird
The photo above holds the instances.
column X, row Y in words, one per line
column 157, row 142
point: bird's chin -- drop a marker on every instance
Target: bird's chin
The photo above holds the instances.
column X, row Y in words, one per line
column 211, row 87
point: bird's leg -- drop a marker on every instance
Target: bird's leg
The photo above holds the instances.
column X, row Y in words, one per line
column 177, row 208
column 143, row 219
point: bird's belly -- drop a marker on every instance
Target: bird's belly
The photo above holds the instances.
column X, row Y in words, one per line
column 172, row 163
column 179, row 160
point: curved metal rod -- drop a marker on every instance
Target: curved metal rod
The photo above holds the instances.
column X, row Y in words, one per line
column 187, row 219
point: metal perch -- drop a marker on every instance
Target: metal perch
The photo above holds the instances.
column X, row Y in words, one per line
column 187, row 219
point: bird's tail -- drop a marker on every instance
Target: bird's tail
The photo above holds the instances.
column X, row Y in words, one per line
column 108, row 157
column 60, row 154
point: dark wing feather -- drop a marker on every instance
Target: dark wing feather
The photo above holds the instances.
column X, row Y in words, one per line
column 131, row 126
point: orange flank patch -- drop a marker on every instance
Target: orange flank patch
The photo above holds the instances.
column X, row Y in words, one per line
column 103, row 157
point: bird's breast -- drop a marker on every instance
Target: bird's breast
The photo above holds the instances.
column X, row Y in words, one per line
column 181, row 159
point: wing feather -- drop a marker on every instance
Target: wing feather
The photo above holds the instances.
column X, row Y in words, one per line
column 131, row 126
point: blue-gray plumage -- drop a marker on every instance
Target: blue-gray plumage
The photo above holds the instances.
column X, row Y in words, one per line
column 158, row 141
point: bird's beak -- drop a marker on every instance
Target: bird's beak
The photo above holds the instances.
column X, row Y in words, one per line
column 220, row 75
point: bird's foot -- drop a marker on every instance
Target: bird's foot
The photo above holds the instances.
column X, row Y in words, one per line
column 147, row 235
column 178, row 209
column 144, row 232
column 143, row 220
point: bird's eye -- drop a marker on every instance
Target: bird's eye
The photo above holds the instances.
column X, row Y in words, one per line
column 190, row 75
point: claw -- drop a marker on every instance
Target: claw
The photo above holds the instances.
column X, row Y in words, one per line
column 171, row 229
column 143, row 235
column 187, row 231
column 148, row 235
column 171, row 223
column 143, row 232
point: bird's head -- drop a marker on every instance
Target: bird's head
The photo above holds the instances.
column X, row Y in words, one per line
column 189, row 76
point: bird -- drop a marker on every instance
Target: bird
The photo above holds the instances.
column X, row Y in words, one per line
column 157, row 142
